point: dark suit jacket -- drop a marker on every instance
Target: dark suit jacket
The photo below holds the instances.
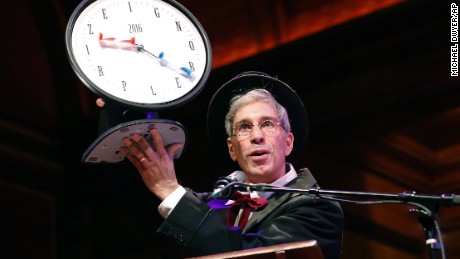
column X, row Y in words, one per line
column 288, row 217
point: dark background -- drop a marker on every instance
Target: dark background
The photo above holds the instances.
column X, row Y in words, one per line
column 374, row 77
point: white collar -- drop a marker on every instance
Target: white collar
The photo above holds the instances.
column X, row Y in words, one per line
column 282, row 181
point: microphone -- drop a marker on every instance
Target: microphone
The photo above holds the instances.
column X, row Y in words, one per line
column 237, row 176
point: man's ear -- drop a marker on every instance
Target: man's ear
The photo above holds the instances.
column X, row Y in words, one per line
column 231, row 149
column 289, row 143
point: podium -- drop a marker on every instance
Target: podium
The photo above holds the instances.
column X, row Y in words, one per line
column 296, row 250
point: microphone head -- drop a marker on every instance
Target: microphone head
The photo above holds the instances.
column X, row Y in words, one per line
column 219, row 188
column 237, row 176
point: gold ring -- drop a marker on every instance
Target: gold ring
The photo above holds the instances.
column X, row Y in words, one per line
column 142, row 159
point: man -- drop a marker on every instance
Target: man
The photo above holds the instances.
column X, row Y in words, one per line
column 260, row 139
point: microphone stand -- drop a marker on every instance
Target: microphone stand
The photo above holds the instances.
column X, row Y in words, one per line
column 426, row 212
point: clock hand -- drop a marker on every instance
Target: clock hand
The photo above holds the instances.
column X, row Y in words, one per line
column 114, row 44
column 131, row 45
column 184, row 71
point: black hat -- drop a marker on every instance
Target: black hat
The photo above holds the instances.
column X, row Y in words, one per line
column 242, row 83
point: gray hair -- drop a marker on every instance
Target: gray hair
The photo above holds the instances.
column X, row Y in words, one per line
column 255, row 95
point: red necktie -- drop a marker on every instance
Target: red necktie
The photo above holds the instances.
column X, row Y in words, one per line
column 248, row 204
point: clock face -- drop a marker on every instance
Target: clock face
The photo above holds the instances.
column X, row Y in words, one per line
column 143, row 53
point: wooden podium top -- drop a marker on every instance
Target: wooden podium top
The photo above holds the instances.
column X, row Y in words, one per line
column 296, row 250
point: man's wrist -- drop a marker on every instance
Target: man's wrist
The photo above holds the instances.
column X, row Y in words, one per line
column 170, row 202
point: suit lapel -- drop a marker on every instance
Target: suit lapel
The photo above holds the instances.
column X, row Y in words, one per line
column 304, row 180
column 273, row 203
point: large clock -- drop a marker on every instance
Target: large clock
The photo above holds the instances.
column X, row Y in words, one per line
column 147, row 54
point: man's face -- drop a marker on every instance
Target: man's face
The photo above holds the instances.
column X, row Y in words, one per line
column 261, row 157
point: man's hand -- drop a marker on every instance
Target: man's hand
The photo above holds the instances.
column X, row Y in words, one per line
column 156, row 165
column 100, row 102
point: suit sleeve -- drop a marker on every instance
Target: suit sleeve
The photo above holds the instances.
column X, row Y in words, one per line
column 202, row 231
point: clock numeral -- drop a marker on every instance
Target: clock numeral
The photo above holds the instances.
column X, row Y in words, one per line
column 178, row 82
column 192, row 66
column 178, row 26
column 134, row 28
column 157, row 12
column 104, row 14
column 191, row 45
column 101, row 73
column 123, row 84
column 153, row 92
column 129, row 5
column 90, row 29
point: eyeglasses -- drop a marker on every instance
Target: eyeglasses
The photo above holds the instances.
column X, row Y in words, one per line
column 244, row 128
